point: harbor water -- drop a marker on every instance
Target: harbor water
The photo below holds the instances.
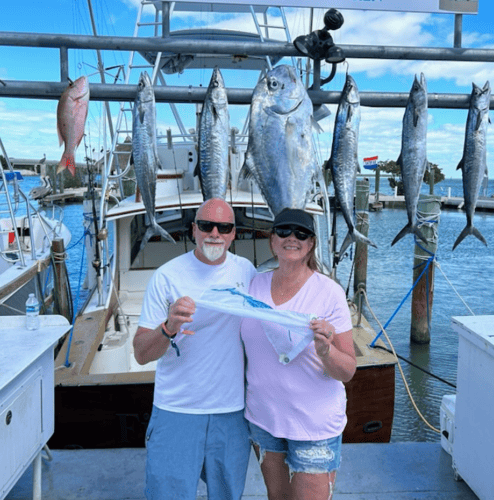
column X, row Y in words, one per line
column 468, row 273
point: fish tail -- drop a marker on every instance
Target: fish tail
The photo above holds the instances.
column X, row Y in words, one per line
column 67, row 161
column 363, row 239
column 353, row 237
column 467, row 230
column 409, row 229
column 406, row 230
column 153, row 230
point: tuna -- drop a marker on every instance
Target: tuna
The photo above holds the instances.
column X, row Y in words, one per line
column 145, row 154
column 280, row 155
column 473, row 164
column 214, row 130
column 71, row 119
column 413, row 156
column 344, row 159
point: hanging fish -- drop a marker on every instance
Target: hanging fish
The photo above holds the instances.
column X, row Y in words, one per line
column 280, row 155
column 473, row 164
column 344, row 158
column 71, row 119
column 214, row 130
column 413, row 155
column 145, row 154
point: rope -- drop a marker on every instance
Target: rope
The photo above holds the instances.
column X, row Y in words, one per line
column 399, row 365
column 454, row 289
column 372, row 344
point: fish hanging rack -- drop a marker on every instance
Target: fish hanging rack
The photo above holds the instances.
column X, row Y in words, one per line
column 188, row 94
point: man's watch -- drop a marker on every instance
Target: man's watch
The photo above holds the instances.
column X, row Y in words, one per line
column 170, row 337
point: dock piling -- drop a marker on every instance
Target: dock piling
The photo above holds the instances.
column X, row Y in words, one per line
column 362, row 226
column 428, row 212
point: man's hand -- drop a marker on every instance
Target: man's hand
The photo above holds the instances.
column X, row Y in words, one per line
column 180, row 312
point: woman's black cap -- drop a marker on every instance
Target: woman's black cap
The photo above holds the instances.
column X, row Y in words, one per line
column 294, row 217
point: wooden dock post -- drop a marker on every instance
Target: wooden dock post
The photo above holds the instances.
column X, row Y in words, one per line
column 362, row 226
column 429, row 209
column 62, row 299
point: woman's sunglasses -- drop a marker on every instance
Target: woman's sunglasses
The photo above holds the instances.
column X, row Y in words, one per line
column 206, row 226
column 285, row 231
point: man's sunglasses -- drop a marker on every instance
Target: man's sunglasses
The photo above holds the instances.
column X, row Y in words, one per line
column 285, row 231
column 206, row 226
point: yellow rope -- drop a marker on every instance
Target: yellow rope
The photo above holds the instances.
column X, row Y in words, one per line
column 399, row 366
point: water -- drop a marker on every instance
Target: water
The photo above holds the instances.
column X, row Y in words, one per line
column 389, row 279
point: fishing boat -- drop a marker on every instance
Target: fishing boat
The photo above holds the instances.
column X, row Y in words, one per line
column 103, row 397
column 26, row 239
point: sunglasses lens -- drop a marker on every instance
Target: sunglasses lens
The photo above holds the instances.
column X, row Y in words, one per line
column 300, row 235
column 207, row 226
column 224, row 227
column 285, row 231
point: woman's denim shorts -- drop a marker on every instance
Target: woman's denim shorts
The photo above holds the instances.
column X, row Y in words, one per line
column 313, row 457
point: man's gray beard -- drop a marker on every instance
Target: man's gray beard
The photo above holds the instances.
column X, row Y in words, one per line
column 212, row 252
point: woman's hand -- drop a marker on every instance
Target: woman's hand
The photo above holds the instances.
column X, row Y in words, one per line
column 323, row 336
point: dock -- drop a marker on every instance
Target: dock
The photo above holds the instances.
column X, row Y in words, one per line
column 369, row 471
column 447, row 202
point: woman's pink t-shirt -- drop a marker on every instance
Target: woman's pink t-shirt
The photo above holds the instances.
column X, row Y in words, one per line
column 296, row 401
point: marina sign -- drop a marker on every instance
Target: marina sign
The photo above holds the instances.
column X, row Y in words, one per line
column 431, row 6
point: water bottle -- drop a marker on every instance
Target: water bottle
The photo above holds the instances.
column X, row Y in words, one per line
column 32, row 312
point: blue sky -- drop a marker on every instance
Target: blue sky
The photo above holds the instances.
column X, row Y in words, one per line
column 28, row 126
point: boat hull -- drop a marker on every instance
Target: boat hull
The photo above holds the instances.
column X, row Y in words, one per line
column 116, row 416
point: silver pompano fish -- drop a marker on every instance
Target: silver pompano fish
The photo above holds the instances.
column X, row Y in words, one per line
column 71, row 118
column 474, row 161
column 145, row 153
column 344, row 158
column 280, row 154
column 214, row 130
column 413, row 156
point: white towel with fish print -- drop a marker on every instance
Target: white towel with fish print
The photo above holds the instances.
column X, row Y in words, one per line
column 288, row 331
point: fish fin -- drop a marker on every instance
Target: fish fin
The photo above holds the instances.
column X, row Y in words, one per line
column 354, row 236
column 358, row 168
column 478, row 123
column 467, row 230
column 245, row 172
column 67, row 161
column 460, row 164
column 349, row 239
column 399, row 161
column 359, row 237
column 416, row 115
column 406, row 230
column 197, row 170
column 152, row 230
column 60, row 138
column 316, row 126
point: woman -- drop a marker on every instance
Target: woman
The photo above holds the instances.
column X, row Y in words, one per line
column 297, row 411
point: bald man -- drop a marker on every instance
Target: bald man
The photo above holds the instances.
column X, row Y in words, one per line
column 197, row 428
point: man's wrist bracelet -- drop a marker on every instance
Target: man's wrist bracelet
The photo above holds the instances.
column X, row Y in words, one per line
column 170, row 338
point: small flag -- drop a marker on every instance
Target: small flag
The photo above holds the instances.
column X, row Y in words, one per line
column 370, row 163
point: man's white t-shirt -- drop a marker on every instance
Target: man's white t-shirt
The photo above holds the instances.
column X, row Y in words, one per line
column 208, row 376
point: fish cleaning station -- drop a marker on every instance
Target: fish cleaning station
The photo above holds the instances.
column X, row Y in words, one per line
column 141, row 198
